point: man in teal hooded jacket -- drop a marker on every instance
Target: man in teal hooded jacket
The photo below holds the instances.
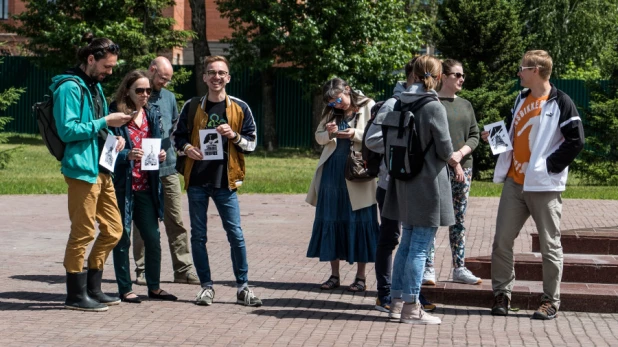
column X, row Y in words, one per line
column 80, row 112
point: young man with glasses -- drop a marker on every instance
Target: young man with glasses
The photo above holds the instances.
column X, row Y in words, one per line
column 161, row 73
column 217, row 179
column 547, row 135
column 82, row 120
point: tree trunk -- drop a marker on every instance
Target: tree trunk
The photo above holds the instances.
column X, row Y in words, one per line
column 269, row 110
column 200, row 43
column 317, row 107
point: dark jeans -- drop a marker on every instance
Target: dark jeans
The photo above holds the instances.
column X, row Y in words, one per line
column 146, row 219
column 387, row 241
column 226, row 202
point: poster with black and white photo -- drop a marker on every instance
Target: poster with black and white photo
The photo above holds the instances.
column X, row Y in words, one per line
column 150, row 159
column 210, row 144
column 498, row 137
column 109, row 153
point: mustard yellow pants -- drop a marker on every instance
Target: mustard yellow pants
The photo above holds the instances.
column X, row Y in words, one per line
column 89, row 203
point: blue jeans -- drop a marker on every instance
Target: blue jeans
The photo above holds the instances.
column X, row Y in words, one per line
column 410, row 261
column 226, row 202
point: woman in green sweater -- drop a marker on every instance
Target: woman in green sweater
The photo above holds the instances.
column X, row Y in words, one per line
column 465, row 137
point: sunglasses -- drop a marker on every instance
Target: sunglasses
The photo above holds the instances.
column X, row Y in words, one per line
column 143, row 90
column 522, row 68
column 458, row 75
column 336, row 102
column 221, row 73
column 102, row 51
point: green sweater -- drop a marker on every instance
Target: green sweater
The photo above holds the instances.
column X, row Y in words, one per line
column 78, row 127
column 462, row 126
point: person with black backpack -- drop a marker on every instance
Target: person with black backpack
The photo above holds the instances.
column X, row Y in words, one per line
column 417, row 146
column 82, row 120
column 389, row 229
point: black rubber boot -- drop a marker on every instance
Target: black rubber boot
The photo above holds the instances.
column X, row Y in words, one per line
column 94, row 288
column 77, row 295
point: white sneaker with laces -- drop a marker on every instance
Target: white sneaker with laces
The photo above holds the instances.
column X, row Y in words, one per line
column 205, row 296
column 429, row 275
column 414, row 314
column 396, row 307
column 463, row 275
column 247, row 298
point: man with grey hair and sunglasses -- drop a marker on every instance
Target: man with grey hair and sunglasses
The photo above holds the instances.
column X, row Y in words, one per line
column 161, row 73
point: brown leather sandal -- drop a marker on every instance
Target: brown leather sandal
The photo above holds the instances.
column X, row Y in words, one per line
column 358, row 285
column 332, row 283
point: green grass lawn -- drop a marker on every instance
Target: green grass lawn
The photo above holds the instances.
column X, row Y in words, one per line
column 32, row 170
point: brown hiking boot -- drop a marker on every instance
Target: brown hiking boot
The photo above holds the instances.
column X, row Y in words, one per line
column 501, row 305
column 546, row 311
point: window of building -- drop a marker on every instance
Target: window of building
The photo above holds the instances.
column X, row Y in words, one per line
column 4, row 9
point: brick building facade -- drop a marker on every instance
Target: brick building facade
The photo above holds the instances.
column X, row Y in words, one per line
column 216, row 29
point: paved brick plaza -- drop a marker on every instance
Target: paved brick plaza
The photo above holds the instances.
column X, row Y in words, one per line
column 34, row 230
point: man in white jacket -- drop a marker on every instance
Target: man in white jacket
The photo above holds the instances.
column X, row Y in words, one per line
column 547, row 134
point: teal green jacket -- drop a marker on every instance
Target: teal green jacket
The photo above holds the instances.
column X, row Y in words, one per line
column 78, row 128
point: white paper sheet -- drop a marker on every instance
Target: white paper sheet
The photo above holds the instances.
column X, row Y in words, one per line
column 498, row 137
column 210, row 144
column 109, row 153
column 150, row 159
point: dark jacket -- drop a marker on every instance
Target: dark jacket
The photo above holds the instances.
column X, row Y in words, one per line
column 124, row 166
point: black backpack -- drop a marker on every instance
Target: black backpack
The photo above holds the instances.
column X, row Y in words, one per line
column 372, row 159
column 403, row 153
column 44, row 113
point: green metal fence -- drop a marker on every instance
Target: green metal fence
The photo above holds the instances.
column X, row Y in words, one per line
column 293, row 106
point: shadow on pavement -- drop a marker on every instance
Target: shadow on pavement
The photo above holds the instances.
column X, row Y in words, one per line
column 34, row 301
column 314, row 304
column 319, row 315
column 49, row 279
column 300, row 286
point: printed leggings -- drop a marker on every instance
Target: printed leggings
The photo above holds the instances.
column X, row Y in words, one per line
column 457, row 232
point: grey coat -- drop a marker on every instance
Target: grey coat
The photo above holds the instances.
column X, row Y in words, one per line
column 426, row 199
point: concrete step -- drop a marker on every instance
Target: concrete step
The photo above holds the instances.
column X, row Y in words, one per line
column 585, row 268
column 526, row 295
column 588, row 241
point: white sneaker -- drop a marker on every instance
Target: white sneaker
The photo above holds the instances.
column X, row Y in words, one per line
column 395, row 310
column 205, row 296
column 463, row 275
column 429, row 275
column 414, row 314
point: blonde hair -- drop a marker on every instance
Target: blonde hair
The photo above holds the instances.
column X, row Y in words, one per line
column 540, row 59
column 213, row 58
column 427, row 69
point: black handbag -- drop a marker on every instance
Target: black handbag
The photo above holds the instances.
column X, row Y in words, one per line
column 356, row 168
column 355, row 165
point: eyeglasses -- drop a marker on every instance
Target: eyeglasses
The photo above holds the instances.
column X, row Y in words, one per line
column 143, row 90
column 166, row 81
column 220, row 73
column 336, row 102
column 458, row 75
column 522, row 68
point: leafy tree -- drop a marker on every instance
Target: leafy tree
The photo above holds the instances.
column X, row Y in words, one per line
column 200, row 43
column 357, row 40
column 485, row 35
column 54, row 30
column 598, row 162
column 8, row 97
column 573, row 32
column 258, row 41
